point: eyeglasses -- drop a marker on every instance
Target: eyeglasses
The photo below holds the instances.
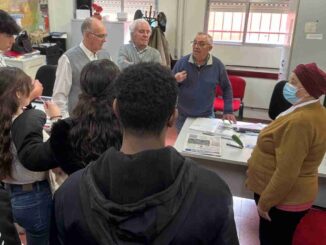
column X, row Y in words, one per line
column 101, row 36
column 199, row 44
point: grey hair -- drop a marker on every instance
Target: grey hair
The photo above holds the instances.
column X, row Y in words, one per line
column 86, row 25
column 135, row 23
column 209, row 37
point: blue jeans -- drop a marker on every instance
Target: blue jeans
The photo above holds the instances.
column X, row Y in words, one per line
column 31, row 207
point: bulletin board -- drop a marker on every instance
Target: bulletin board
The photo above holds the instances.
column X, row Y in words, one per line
column 26, row 12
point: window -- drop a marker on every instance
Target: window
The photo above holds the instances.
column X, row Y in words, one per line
column 248, row 22
column 112, row 7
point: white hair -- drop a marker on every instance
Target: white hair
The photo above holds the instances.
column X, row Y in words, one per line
column 135, row 23
column 87, row 25
column 209, row 37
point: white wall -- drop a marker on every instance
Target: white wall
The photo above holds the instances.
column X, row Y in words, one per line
column 186, row 17
column 309, row 50
column 170, row 9
column 61, row 12
column 186, row 22
column 267, row 57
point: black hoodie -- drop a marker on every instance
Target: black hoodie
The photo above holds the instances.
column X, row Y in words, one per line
column 152, row 197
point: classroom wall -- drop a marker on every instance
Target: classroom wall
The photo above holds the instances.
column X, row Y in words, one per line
column 60, row 17
column 186, row 17
column 306, row 50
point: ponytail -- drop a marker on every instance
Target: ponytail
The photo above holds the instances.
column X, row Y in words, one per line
column 12, row 80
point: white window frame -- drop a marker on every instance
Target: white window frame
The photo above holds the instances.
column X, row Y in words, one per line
column 245, row 30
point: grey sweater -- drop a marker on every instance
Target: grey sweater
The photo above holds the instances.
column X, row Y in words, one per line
column 78, row 60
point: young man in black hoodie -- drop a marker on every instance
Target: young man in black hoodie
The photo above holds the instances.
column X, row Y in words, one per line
column 145, row 193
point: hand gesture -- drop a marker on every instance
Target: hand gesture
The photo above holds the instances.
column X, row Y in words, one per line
column 230, row 117
column 180, row 76
column 51, row 109
column 37, row 90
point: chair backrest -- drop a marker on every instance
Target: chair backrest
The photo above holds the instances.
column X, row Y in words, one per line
column 311, row 229
column 238, row 87
column 278, row 103
column 46, row 75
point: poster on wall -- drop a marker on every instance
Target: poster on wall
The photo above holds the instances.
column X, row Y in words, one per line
column 25, row 12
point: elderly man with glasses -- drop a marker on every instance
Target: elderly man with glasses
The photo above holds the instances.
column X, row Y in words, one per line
column 66, row 87
column 138, row 50
column 197, row 90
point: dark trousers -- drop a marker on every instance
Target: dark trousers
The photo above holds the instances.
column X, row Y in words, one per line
column 8, row 233
column 281, row 229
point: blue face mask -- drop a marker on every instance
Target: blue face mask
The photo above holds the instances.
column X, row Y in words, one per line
column 289, row 93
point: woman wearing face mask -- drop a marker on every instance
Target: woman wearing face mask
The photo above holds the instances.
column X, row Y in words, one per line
column 283, row 168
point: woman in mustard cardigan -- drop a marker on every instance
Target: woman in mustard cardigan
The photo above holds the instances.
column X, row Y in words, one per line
column 283, row 168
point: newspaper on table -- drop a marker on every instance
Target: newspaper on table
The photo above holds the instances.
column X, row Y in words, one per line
column 203, row 144
column 205, row 124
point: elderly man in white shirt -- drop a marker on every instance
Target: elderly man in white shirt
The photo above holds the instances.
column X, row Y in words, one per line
column 66, row 87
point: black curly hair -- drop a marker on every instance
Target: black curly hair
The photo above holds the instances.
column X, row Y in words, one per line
column 146, row 97
column 12, row 80
column 7, row 24
column 96, row 128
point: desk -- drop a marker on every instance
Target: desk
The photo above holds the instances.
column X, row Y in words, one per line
column 29, row 65
column 232, row 165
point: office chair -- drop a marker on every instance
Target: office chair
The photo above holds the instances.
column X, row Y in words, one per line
column 311, row 229
column 46, row 75
column 238, row 88
column 278, row 103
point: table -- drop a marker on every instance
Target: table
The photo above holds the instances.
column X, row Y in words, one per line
column 232, row 164
column 29, row 65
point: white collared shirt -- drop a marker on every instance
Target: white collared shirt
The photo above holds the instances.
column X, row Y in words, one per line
column 209, row 60
column 294, row 107
column 63, row 80
column 88, row 53
column 2, row 60
column 137, row 50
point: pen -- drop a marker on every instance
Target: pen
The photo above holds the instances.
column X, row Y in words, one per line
column 232, row 145
column 222, row 136
column 208, row 133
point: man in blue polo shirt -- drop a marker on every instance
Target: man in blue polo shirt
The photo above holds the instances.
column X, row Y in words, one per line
column 197, row 90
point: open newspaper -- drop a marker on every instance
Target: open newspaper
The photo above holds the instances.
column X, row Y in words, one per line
column 203, row 144
column 213, row 126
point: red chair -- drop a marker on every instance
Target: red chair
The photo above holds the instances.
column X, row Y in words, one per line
column 238, row 88
column 312, row 229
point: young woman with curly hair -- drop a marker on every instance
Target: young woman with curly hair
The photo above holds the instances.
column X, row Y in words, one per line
column 29, row 191
column 92, row 127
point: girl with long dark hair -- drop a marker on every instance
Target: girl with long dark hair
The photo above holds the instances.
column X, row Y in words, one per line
column 29, row 191
column 92, row 127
